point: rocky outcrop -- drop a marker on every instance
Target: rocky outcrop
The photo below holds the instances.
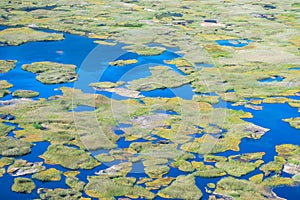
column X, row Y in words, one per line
column 291, row 168
column 29, row 168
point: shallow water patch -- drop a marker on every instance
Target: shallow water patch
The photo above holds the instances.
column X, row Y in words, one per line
column 233, row 43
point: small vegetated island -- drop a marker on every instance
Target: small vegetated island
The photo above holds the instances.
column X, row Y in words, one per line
column 239, row 58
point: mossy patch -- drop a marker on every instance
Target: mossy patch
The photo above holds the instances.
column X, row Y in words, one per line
column 277, row 181
column 258, row 178
column 107, row 188
column 7, row 65
column 25, row 93
column 208, row 171
column 182, row 64
column 162, row 77
column 23, row 185
column 242, row 189
column 156, row 171
column 158, row 183
column 296, row 178
column 4, row 85
column 123, row 62
column 184, row 187
column 289, row 152
column 4, row 161
column 294, row 122
column 69, row 157
column 58, row 193
column 14, row 147
column 105, row 85
column 147, row 51
column 4, row 129
column 51, row 72
column 183, row 165
column 17, row 36
column 75, row 183
column 274, row 166
column 51, row 174
column 213, row 158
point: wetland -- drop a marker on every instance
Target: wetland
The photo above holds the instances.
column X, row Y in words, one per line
column 103, row 100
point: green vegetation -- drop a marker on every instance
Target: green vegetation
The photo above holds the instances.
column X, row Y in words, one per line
column 252, row 156
column 17, row 36
column 51, row 72
column 58, row 193
column 258, row 178
column 2, row 172
column 123, row 62
column 14, row 147
column 211, row 185
column 296, row 177
column 23, row 185
column 4, row 85
column 104, row 158
column 158, row 183
column 107, row 188
column 25, row 93
column 75, row 183
column 289, row 152
column 146, row 51
column 182, row 64
column 4, row 129
column 236, row 168
column 156, row 171
column 236, row 75
column 208, row 171
column 162, row 77
column 294, row 122
column 69, row 157
column 184, row 187
column 277, row 181
column 48, row 175
column 273, row 166
column 7, row 65
column 4, row 161
column 213, row 158
column 242, row 189
column 183, row 165
column 105, row 85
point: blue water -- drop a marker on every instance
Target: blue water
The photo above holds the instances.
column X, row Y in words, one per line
column 290, row 193
column 272, row 79
column 92, row 61
column 83, row 108
column 294, row 68
column 233, row 43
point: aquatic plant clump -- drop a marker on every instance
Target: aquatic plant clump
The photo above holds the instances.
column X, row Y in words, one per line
column 7, row 65
column 4, row 85
column 123, row 62
column 17, row 36
column 162, row 77
column 51, row 72
column 147, row 51
column 106, row 188
column 58, row 193
column 25, row 93
column 69, row 157
column 105, row 85
column 51, row 174
column 242, row 189
column 183, row 187
column 23, row 185
column 14, row 147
